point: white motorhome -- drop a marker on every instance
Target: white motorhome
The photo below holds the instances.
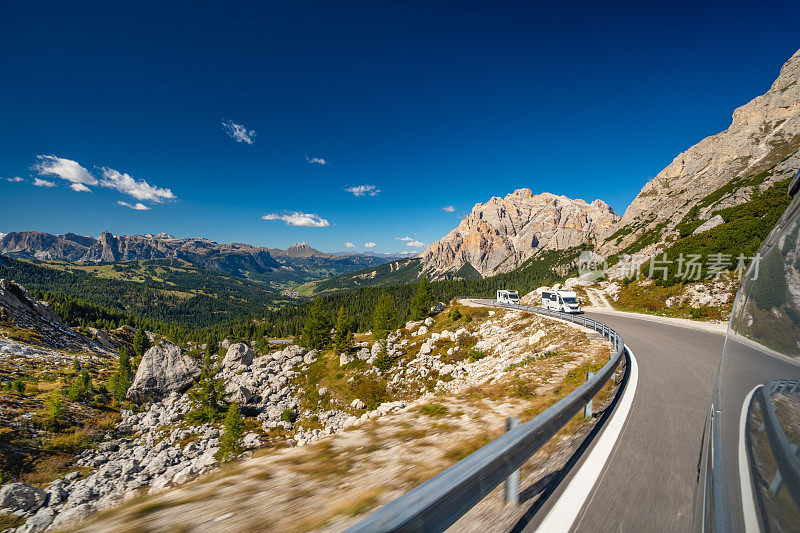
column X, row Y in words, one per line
column 507, row 297
column 564, row 301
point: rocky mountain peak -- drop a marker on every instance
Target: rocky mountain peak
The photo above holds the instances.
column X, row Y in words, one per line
column 501, row 234
column 764, row 137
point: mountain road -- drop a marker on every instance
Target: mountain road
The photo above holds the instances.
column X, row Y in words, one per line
column 647, row 483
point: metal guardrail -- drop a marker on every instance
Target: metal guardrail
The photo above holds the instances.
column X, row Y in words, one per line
column 784, row 452
column 439, row 502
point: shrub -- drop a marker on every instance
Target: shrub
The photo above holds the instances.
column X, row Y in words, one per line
column 17, row 386
column 523, row 388
column 383, row 361
column 289, row 416
column 434, row 409
column 455, row 314
column 78, row 440
column 476, row 355
column 369, row 390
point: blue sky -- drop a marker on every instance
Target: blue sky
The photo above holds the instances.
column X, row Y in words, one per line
column 431, row 104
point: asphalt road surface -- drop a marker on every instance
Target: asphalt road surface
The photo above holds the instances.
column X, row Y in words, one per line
column 648, row 482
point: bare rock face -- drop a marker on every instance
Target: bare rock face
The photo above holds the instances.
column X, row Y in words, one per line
column 764, row 135
column 21, row 498
column 711, row 223
column 501, row 234
column 19, row 308
column 164, row 368
column 238, row 355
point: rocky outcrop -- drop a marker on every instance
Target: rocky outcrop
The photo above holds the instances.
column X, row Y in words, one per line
column 23, row 311
column 711, row 223
column 20, row 308
column 238, row 355
column 21, row 499
column 764, row 135
column 501, row 234
column 164, row 368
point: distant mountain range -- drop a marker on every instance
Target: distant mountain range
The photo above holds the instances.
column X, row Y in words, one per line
column 297, row 264
column 697, row 197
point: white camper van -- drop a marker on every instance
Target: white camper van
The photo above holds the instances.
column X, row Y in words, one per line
column 564, row 301
column 507, row 297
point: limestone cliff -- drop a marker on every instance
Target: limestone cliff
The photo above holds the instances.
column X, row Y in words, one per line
column 764, row 135
column 501, row 234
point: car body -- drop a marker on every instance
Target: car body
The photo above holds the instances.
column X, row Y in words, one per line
column 749, row 473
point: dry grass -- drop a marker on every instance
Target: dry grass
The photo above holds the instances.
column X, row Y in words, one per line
column 465, row 448
column 359, row 502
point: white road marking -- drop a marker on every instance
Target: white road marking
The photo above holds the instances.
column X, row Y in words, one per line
column 748, row 498
column 563, row 514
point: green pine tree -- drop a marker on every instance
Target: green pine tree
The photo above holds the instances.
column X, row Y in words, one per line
column 231, row 441
column 385, row 318
column 317, row 327
column 421, row 303
column 120, row 381
column 54, row 410
column 208, row 394
column 80, row 387
column 343, row 338
column 140, row 342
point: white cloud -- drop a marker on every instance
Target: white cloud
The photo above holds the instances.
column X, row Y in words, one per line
column 66, row 169
column 363, row 190
column 448, row 209
column 43, row 183
column 369, row 245
column 137, row 206
column 316, row 161
column 15, row 179
column 238, row 132
column 349, row 245
column 306, row 220
column 141, row 190
column 411, row 242
column 80, row 187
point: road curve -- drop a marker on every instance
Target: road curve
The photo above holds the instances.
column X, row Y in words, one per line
column 647, row 484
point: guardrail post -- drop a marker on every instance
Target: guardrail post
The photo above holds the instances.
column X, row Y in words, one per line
column 512, row 481
column 587, row 409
